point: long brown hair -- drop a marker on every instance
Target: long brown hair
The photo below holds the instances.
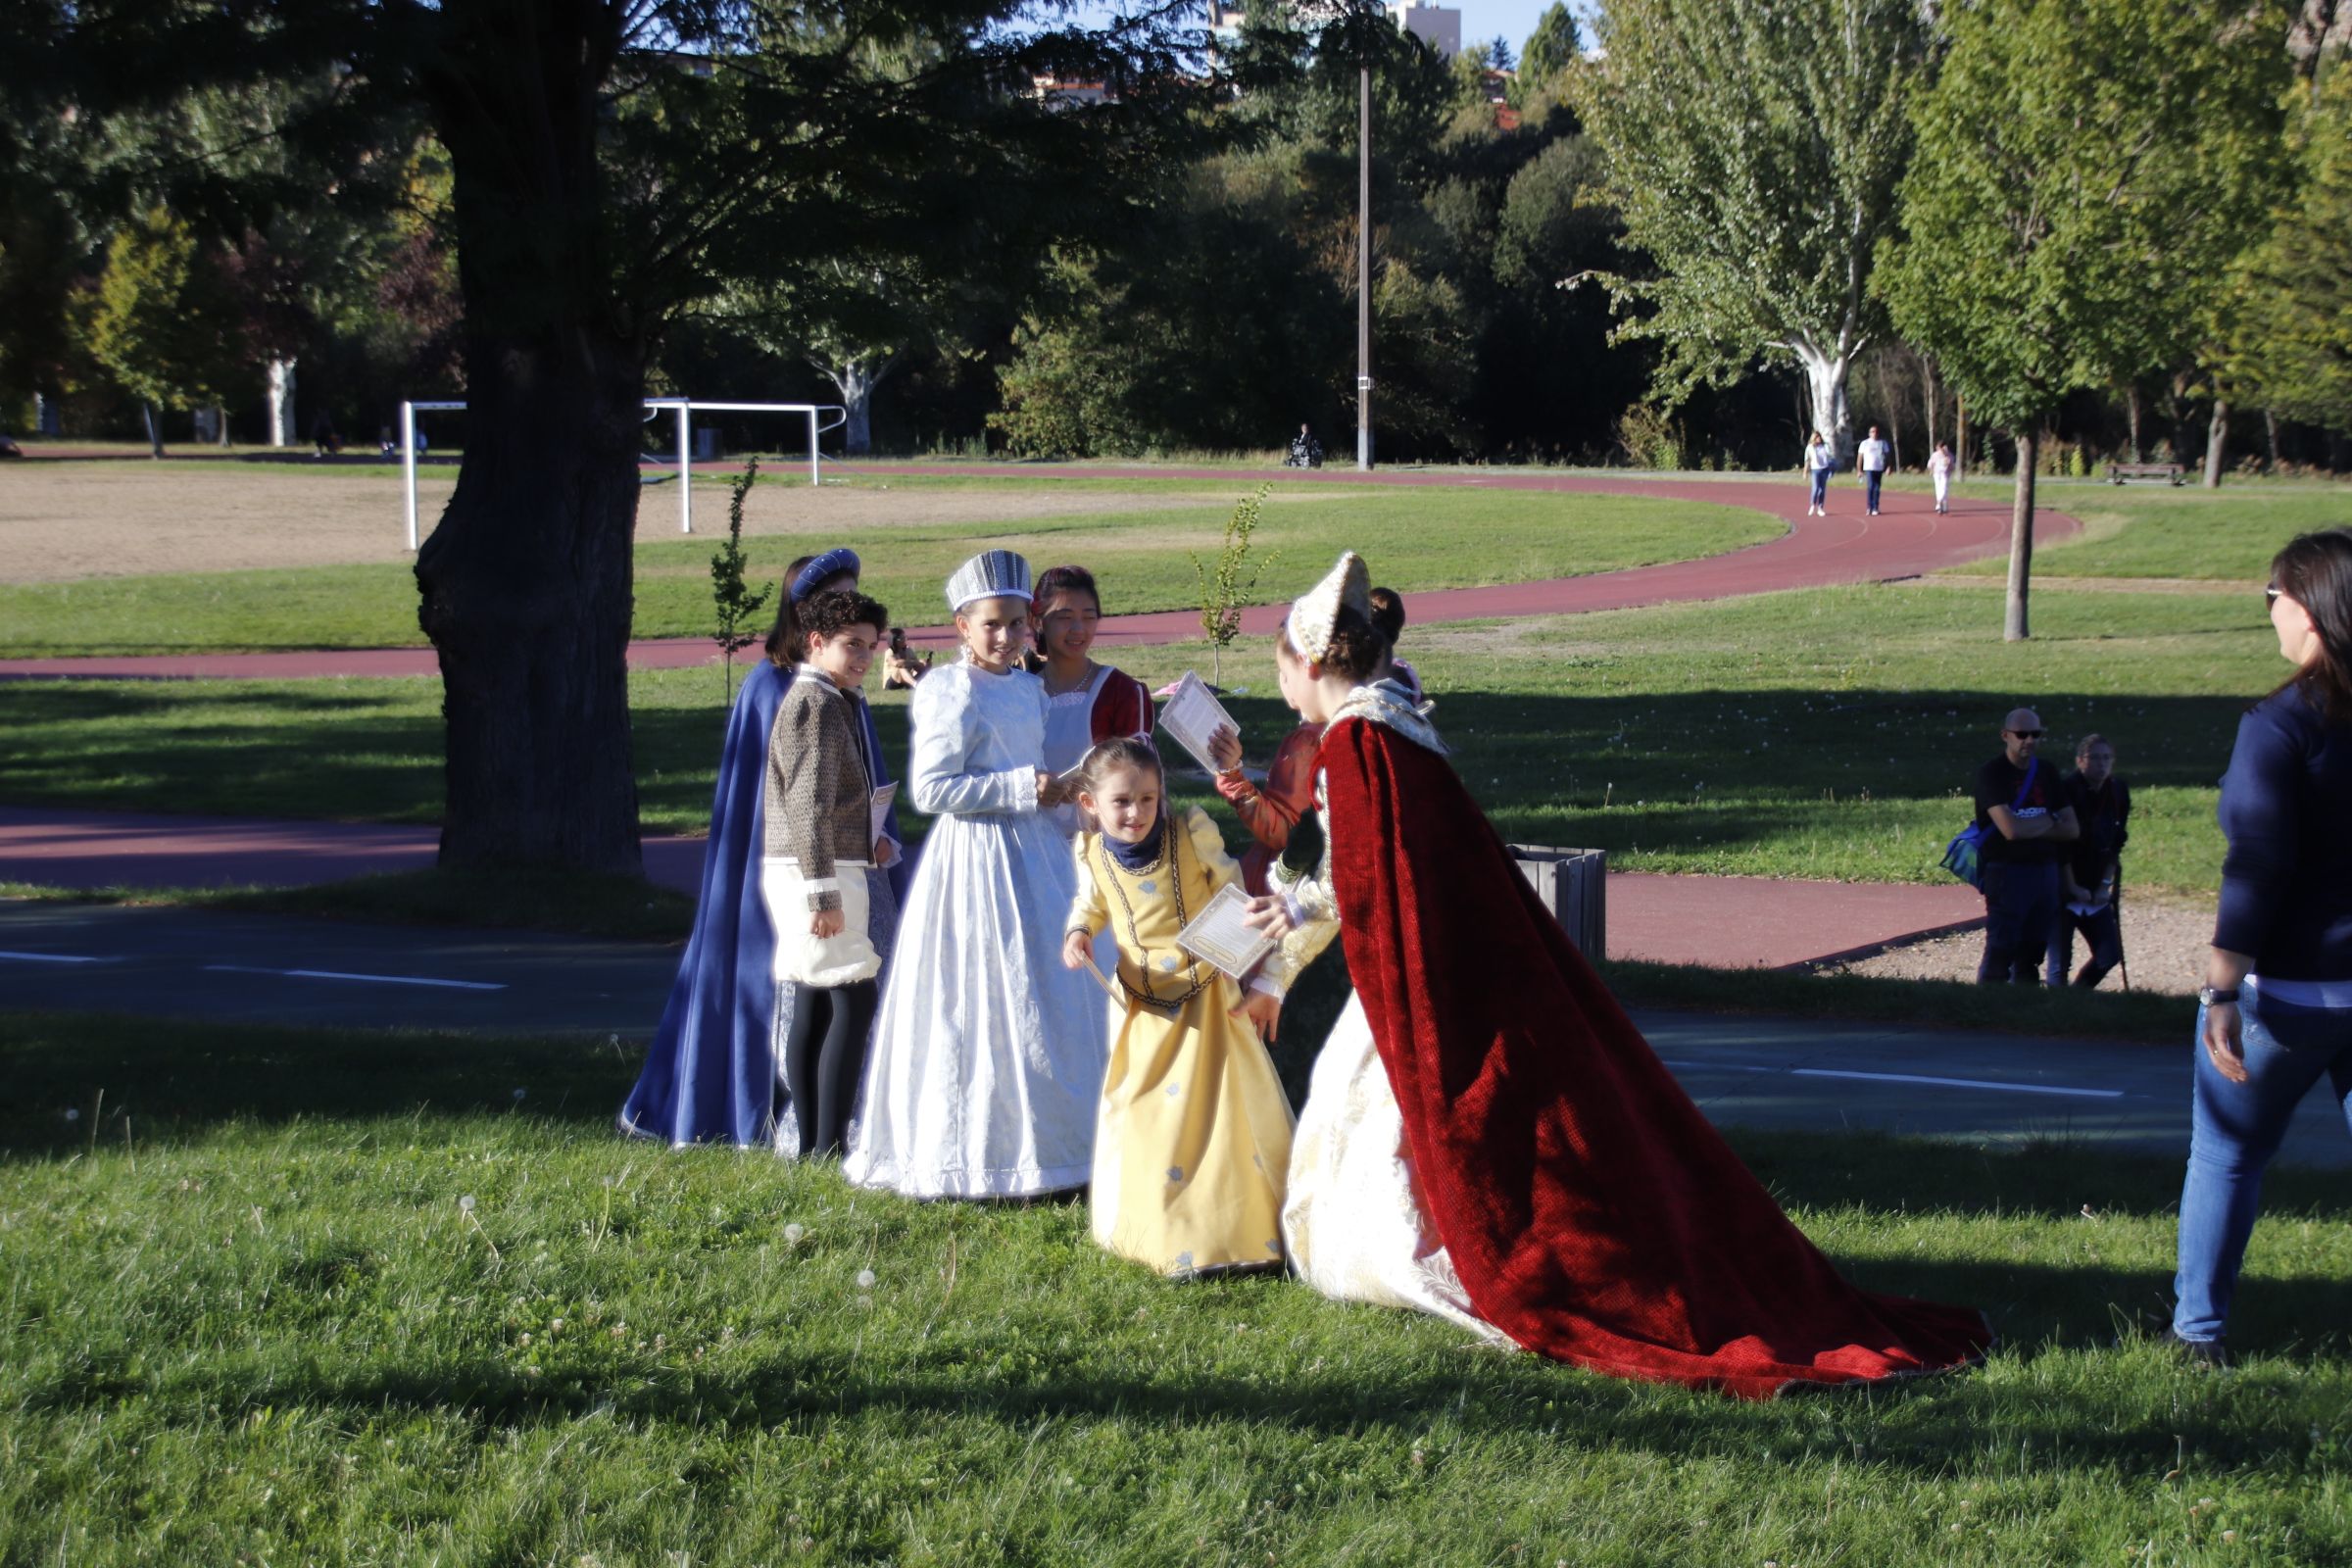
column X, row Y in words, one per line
column 2315, row 570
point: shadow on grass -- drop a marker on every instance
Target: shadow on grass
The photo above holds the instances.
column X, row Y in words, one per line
column 1921, row 1427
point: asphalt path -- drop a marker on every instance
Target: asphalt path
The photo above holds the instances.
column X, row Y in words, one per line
column 1995, row 1089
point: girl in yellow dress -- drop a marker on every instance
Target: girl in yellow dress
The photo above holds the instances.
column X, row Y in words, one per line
column 1193, row 1136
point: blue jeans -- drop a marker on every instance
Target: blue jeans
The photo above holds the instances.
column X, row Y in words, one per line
column 1870, row 478
column 2020, row 903
column 2102, row 934
column 2233, row 1131
column 1820, row 486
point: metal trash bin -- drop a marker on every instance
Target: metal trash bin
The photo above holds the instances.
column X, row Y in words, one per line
column 1573, row 884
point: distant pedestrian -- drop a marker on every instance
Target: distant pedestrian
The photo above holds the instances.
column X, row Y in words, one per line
column 323, row 435
column 2025, row 821
column 1873, row 455
column 1940, row 470
column 2275, row 1015
column 2090, row 876
column 1821, row 459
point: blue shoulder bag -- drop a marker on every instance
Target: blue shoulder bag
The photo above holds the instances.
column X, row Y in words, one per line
column 1960, row 856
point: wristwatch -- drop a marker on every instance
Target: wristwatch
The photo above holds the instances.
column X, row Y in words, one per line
column 2208, row 997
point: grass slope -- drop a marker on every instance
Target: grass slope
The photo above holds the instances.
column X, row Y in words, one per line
column 252, row 1316
column 1422, row 538
column 2229, row 534
column 1823, row 733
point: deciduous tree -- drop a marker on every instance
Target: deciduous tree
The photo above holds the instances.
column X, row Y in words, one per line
column 2085, row 170
column 1754, row 147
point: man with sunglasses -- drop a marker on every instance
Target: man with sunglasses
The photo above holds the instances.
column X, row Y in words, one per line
column 2022, row 814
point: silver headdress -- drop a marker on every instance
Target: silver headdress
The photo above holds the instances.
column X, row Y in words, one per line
column 1317, row 610
column 990, row 574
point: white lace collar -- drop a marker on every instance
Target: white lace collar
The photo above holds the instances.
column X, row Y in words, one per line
column 1391, row 702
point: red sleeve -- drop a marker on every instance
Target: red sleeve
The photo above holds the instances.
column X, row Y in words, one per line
column 1269, row 810
column 1122, row 708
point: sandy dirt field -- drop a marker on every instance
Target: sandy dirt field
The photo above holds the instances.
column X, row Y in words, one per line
column 2163, row 945
column 68, row 520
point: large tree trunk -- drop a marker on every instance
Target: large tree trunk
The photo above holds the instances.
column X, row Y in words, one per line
column 2132, row 418
column 526, row 582
column 1959, row 438
column 2217, row 444
column 2014, row 624
column 856, row 379
column 155, row 428
column 281, row 403
column 2269, row 431
column 1824, row 379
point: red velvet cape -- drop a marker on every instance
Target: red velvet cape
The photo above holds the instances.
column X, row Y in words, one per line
column 1592, row 1212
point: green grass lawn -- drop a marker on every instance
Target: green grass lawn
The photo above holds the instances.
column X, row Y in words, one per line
column 2227, row 534
column 1143, row 559
column 252, row 1315
column 1821, row 733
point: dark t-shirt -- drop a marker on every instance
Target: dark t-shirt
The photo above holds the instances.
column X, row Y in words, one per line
column 1997, row 784
column 2103, row 818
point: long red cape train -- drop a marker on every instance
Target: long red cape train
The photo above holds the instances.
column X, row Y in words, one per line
column 1592, row 1212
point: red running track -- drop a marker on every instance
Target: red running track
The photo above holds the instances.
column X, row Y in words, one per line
column 1727, row 921
column 1907, row 539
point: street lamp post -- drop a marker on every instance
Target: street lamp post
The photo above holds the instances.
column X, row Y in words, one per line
column 1363, row 274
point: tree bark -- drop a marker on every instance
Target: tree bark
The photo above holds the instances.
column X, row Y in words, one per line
column 2217, row 444
column 154, row 427
column 2269, row 431
column 1824, row 379
column 281, row 403
column 526, row 582
column 2014, row 625
column 219, row 425
column 2132, row 416
column 1959, row 438
column 856, row 379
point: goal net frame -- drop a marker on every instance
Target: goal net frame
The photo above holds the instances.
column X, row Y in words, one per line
column 683, row 408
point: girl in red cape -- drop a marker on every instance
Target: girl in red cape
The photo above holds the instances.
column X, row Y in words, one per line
column 1487, row 1136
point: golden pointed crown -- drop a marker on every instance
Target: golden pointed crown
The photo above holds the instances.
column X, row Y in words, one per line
column 1317, row 610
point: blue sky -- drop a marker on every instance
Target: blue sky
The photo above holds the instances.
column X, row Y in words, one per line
column 1481, row 19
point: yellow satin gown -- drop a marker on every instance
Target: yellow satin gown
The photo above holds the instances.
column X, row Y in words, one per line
column 1193, row 1140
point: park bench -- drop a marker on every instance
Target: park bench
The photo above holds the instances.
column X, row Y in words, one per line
column 2118, row 472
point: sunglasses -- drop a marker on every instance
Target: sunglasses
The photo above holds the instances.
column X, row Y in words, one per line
column 2270, row 595
column 2026, row 734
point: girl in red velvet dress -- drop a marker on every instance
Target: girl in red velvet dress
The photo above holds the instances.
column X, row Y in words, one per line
column 1514, row 1156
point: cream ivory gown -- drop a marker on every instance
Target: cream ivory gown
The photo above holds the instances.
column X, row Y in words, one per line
column 1353, row 1221
column 987, row 1060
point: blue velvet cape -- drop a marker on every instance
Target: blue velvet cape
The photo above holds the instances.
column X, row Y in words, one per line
column 711, row 1073
column 711, row 1076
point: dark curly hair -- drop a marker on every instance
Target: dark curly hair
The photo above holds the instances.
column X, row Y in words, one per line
column 2315, row 570
column 1357, row 649
column 828, row 614
column 1388, row 614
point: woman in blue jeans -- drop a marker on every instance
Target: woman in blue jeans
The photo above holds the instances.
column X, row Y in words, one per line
column 2275, row 1013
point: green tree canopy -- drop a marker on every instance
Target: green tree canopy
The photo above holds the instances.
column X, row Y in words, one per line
column 1754, row 147
column 163, row 321
column 2293, row 345
column 2085, row 171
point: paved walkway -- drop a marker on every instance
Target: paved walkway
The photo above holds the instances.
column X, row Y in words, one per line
column 1972, row 1087
column 1735, row 921
column 1907, row 539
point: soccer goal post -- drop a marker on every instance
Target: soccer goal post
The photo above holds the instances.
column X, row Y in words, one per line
column 684, row 409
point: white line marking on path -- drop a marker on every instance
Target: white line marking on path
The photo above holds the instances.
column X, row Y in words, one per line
column 376, row 979
column 52, row 958
column 1905, row 1078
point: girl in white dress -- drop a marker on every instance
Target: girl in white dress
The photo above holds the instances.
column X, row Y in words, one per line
column 987, row 1061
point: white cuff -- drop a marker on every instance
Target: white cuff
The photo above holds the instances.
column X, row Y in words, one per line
column 1265, row 987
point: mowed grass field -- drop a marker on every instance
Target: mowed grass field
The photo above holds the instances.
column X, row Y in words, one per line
column 295, row 1296
column 1821, row 733
column 1140, row 538
column 2225, row 535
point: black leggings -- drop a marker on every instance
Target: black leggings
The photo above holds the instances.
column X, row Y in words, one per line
column 824, row 1054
